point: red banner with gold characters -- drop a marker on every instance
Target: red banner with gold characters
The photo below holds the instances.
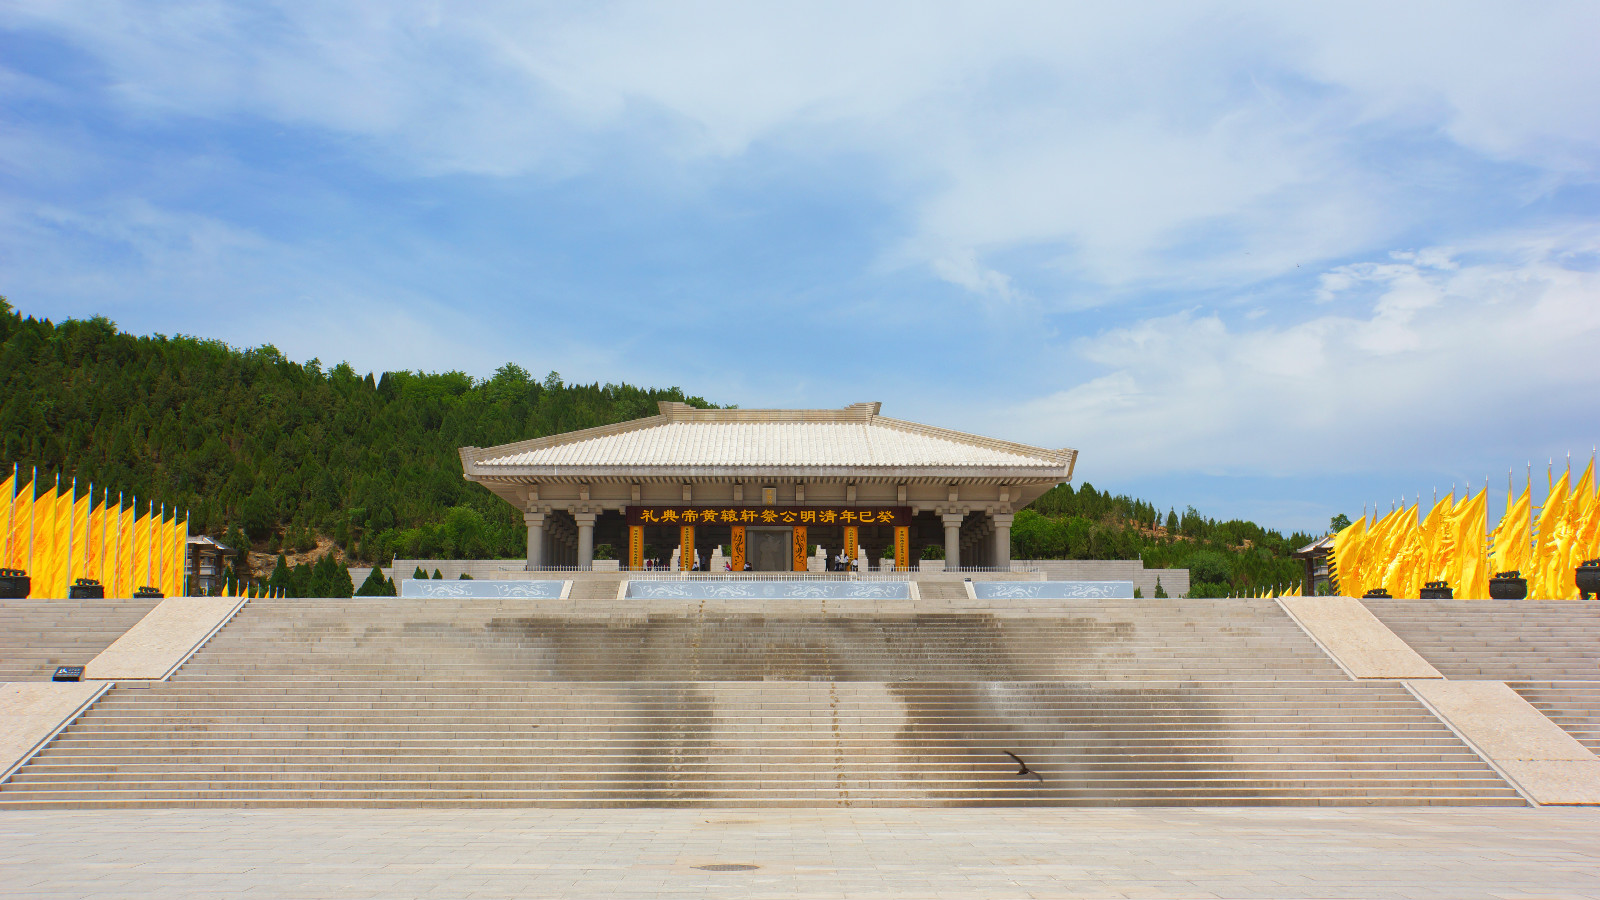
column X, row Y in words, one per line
column 899, row 516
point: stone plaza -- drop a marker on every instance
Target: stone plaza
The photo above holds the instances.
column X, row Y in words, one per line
column 563, row 727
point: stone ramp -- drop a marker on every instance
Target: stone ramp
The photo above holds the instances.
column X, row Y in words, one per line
column 1504, row 640
column 341, row 741
column 1101, row 640
column 37, row 634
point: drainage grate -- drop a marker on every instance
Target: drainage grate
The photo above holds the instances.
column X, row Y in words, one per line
column 727, row 867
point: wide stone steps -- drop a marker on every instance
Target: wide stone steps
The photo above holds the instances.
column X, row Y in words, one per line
column 268, row 741
column 1499, row 639
column 37, row 635
column 497, row 639
column 1573, row 705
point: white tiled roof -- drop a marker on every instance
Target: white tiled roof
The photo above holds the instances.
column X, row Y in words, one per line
column 856, row 443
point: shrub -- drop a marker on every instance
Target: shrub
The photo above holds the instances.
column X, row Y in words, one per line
column 933, row 551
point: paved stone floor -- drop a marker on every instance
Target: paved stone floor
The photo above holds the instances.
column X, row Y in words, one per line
column 1405, row 853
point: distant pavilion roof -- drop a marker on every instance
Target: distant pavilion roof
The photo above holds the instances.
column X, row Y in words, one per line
column 683, row 441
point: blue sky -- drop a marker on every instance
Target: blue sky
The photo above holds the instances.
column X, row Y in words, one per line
column 1272, row 260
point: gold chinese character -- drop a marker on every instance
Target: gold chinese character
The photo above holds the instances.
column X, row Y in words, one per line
column 788, row 518
column 827, row 516
column 729, row 515
column 809, row 515
column 768, row 515
column 747, row 515
column 669, row 515
column 648, row 516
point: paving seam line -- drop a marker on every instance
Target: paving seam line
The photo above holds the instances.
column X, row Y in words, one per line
column 205, row 640
column 1320, row 645
column 1515, row 785
column 45, row 741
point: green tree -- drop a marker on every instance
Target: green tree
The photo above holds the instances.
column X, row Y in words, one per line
column 282, row 578
column 1338, row 523
column 419, row 574
column 374, row 585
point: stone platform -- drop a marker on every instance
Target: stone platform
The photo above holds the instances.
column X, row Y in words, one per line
column 1416, row 854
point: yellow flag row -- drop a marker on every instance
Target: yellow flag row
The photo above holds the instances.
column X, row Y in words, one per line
column 58, row 536
column 252, row 592
column 1401, row 554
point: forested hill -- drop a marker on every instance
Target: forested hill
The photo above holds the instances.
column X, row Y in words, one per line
column 284, row 450
column 246, row 439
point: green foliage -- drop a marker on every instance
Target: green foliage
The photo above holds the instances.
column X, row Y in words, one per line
column 419, row 574
column 330, row 578
column 282, row 579
column 1222, row 557
column 1138, row 594
column 933, row 551
column 1161, row 592
column 301, row 581
column 464, row 577
column 605, row 551
column 1338, row 523
column 287, row 451
column 437, row 576
column 375, row 585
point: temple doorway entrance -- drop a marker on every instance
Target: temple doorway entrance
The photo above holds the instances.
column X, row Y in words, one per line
column 770, row 549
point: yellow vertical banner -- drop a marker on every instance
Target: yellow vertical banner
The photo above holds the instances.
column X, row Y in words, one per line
column 139, row 559
column 1548, row 541
column 1345, row 564
column 1511, row 535
column 54, row 575
column 79, row 536
column 685, row 547
column 902, row 547
column 801, row 557
column 124, row 551
column 736, row 548
column 94, row 534
column 851, row 536
column 8, row 491
column 1472, row 537
column 635, row 547
column 180, row 556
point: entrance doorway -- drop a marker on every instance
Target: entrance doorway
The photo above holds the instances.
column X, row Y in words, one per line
column 770, row 549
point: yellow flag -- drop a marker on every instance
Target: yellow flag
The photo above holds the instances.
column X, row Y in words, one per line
column 175, row 557
column 1586, row 540
column 55, row 576
column 1398, row 544
column 1344, row 564
column 1548, row 542
column 8, row 489
column 1511, row 535
column 126, row 583
column 1471, row 569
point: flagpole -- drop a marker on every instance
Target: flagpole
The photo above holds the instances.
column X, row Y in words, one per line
column 105, row 500
column 11, row 514
column 118, row 569
column 186, row 552
column 33, row 513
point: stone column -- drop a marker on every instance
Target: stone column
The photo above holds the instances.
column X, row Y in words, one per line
column 585, row 522
column 952, row 540
column 535, row 523
column 1002, row 540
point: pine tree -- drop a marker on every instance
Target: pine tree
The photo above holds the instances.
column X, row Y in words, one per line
column 464, row 577
column 300, row 579
column 282, row 579
column 375, row 584
column 1161, row 592
column 437, row 576
column 420, row 575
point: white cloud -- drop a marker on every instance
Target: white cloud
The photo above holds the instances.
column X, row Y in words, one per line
column 1440, row 360
column 1109, row 139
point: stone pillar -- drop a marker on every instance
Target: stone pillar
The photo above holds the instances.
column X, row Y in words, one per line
column 585, row 522
column 1002, row 540
column 535, row 523
column 952, row 540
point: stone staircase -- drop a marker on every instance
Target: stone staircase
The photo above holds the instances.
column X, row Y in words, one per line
column 1574, row 705
column 383, row 702
column 37, row 634
column 1499, row 639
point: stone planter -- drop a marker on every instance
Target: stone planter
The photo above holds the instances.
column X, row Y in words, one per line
column 605, row 565
column 931, row 565
column 1508, row 586
column 14, row 584
column 1377, row 594
column 86, row 589
column 148, row 593
column 1588, row 578
column 1438, row 590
